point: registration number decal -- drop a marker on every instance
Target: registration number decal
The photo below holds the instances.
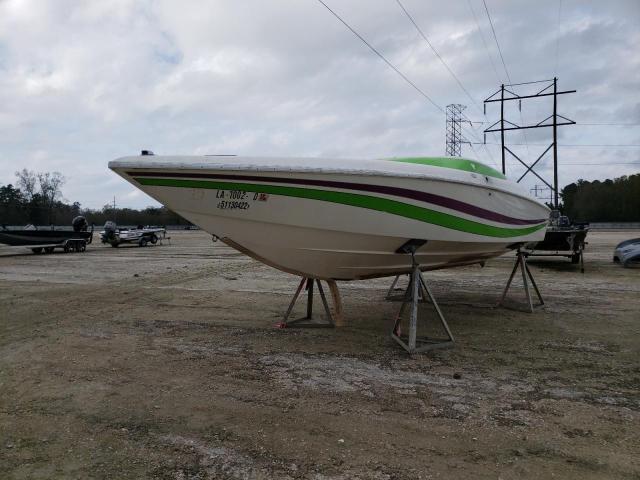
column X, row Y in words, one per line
column 238, row 199
column 225, row 205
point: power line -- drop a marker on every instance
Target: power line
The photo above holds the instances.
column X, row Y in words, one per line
column 529, row 83
column 395, row 69
column 602, row 164
column 422, row 34
column 484, row 41
column 493, row 65
column 404, row 77
column 617, row 124
column 483, row 144
column 476, row 153
column 392, row 66
column 574, row 144
column 605, row 164
column 589, row 124
column 426, row 39
column 584, row 123
column 459, row 82
column 496, row 39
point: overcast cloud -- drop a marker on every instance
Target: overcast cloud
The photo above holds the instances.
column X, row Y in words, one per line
column 84, row 82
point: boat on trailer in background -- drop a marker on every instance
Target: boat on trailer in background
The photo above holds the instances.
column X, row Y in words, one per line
column 141, row 236
column 48, row 239
column 332, row 219
column 563, row 238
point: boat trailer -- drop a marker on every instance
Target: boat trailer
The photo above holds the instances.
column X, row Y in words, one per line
column 77, row 245
column 562, row 239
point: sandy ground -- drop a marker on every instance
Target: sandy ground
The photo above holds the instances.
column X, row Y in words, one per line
column 164, row 362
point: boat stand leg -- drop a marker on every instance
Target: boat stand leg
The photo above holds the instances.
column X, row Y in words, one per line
column 308, row 321
column 521, row 263
column 338, row 315
column 390, row 295
column 397, row 297
column 293, row 300
column 523, row 269
column 416, row 290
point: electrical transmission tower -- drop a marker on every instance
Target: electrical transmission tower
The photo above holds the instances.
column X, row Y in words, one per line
column 455, row 139
column 543, row 192
column 505, row 94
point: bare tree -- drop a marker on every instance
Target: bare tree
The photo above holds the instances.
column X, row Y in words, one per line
column 27, row 181
column 51, row 189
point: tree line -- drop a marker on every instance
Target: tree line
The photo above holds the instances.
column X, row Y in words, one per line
column 616, row 200
column 36, row 198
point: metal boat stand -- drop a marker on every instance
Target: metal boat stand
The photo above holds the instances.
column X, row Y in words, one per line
column 521, row 262
column 308, row 321
column 398, row 297
column 416, row 290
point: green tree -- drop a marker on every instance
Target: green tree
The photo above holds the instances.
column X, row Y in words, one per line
column 616, row 200
column 11, row 205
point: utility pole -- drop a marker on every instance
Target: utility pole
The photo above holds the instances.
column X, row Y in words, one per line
column 504, row 165
column 555, row 141
column 550, row 121
column 455, row 139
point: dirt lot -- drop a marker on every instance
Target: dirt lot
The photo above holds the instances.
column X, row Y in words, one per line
column 164, row 362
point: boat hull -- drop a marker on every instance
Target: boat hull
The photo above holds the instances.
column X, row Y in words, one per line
column 345, row 225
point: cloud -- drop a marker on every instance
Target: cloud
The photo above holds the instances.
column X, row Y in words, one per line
column 82, row 83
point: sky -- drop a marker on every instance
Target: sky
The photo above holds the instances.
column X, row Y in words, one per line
column 85, row 82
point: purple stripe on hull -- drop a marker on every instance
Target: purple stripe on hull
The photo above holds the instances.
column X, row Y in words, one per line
column 432, row 198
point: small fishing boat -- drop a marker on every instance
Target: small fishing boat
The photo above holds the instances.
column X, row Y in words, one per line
column 141, row 236
column 48, row 239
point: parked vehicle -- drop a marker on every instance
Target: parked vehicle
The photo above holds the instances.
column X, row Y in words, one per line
column 627, row 253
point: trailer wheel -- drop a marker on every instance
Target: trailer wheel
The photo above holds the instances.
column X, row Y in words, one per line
column 143, row 242
column 154, row 239
column 82, row 246
column 37, row 250
column 114, row 245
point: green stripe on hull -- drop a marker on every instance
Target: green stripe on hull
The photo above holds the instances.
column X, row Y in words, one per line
column 454, row 163
column 353, row 199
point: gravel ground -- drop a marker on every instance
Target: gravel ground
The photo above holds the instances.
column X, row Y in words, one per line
column 164, row 362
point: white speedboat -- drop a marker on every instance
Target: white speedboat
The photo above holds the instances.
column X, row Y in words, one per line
column 345, row 219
